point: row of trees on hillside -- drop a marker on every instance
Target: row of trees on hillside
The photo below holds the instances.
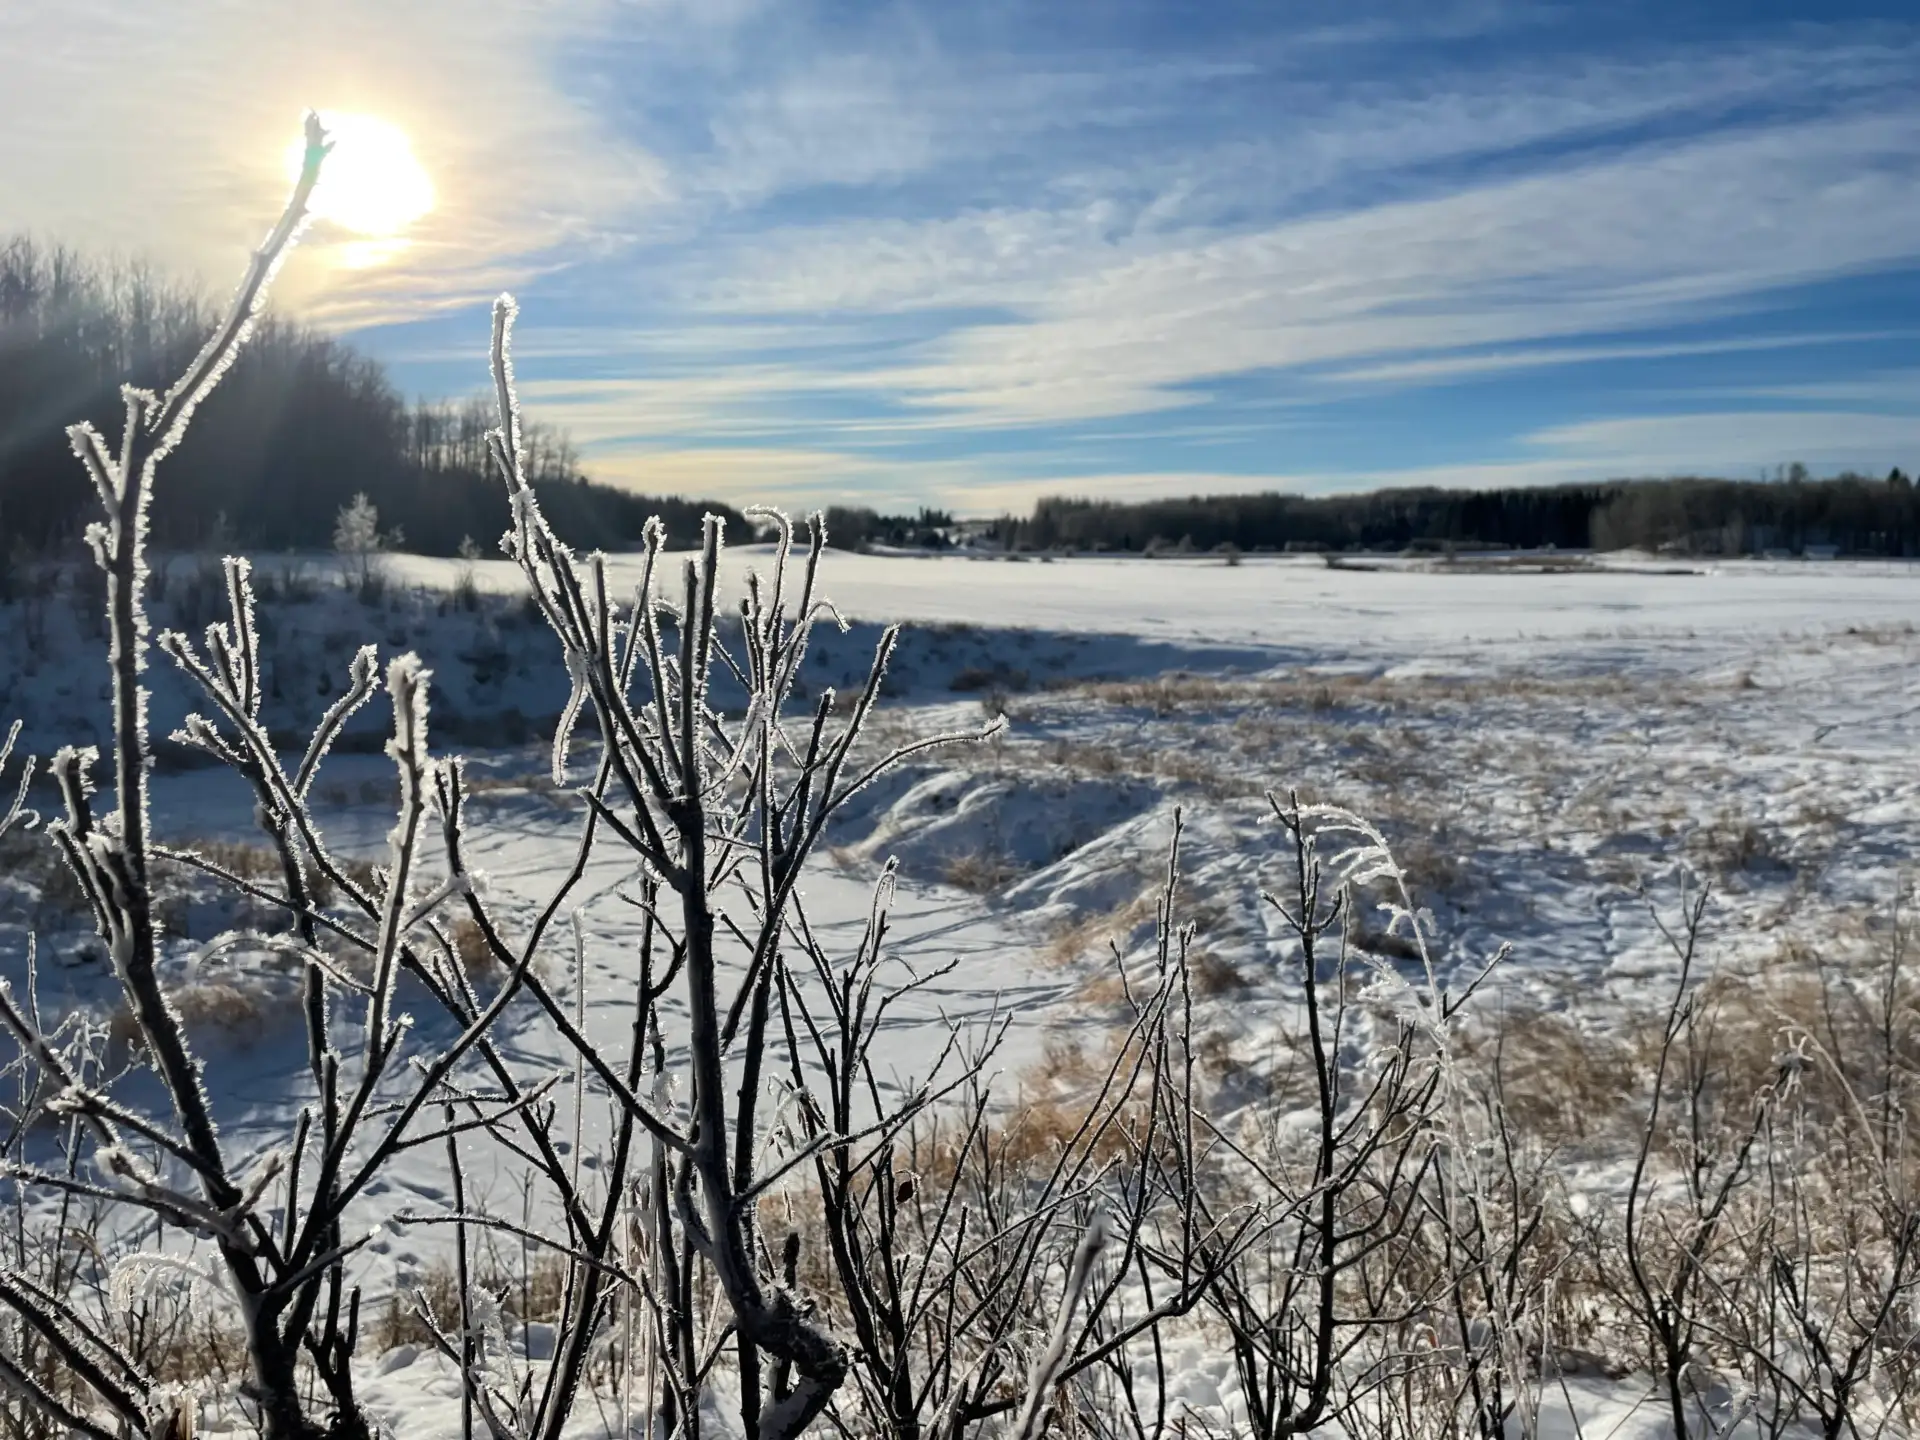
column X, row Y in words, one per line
column 1854, row 514
column 301, row 425
column 305, row 423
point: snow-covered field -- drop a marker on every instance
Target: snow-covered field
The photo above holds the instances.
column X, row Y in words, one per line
column 1298, row 602
column 1549, row 753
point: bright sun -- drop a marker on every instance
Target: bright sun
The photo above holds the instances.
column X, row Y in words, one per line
column 371, row 182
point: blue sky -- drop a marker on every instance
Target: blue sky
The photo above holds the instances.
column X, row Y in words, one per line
column 968, row 254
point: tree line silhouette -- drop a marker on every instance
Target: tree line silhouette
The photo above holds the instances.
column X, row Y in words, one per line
column 301, row 425
column 305, row 422
column 1853, row 514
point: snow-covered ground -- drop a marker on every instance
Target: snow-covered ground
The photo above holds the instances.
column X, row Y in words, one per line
column 1548, row 752
column 1289, row 603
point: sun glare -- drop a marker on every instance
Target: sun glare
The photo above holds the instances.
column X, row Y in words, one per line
column 371, row 182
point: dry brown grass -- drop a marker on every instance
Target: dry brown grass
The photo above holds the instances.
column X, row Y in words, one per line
column 52, row 897
column 1734, row 844
column 1320, row 692
column 1214, row 975
column 1102, row 991
column 363, row 873
column 1042, row 1130
column 1430, row 862
column 197, row 1347
column 979, row 871
column 1217, row 776
column 235, row 1008
column 259, row 864
column 239, row 857
column 1559, row 1080
column 399, row 1322
column 204, row 1345
column 530, row 1287
column 470, row 946
column 973, row 678
column 1086, row 934
column 1051, row 1111
column 1567, row 1083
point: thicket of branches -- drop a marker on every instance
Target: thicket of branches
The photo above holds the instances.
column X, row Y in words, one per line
column 301, row 424
column 775, row 1236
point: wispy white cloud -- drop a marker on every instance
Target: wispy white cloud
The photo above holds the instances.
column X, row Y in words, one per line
column 1886, row 389
column 739, row 401
column 795, row 476
column 1471, row 365
column 161, row 128
column 1672, row 234
column 1710, row 443
column 837, row 120
column 1733, row 441
column 840, row 236
column 1327, row 144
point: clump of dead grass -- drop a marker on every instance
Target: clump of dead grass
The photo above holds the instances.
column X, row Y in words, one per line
column 973, row 678
column 529, row 1286
column 1320, row 692
column 236, row 1008
column 470, row 947
column 45, row 891
column 1217, row 777
column 1053, row 1111
column 1083, row 934
column 1739, row 844
column 979, row 871
column 1556, row 1078
column 1214, row 975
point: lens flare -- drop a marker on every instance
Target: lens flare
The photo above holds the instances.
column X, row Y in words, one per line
column 371, row 182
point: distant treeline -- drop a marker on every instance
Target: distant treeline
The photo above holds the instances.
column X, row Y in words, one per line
column 1852, row 513
column 300, row 425
column 853, row 527
column 304, row 422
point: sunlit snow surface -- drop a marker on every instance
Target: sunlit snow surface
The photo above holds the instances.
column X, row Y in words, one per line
column 1551, row 752
column 1300, row 601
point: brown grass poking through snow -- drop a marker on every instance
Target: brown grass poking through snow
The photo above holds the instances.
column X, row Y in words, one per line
column 236, row 1008
column 1092, row 934
column 530, row 1287
column 1734, row 844
column 979, row 871
column 1215, row 975
column 470, row 945
column 1557, row 1078
column 239, row 857
column 33, row 865
column 260, row 865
